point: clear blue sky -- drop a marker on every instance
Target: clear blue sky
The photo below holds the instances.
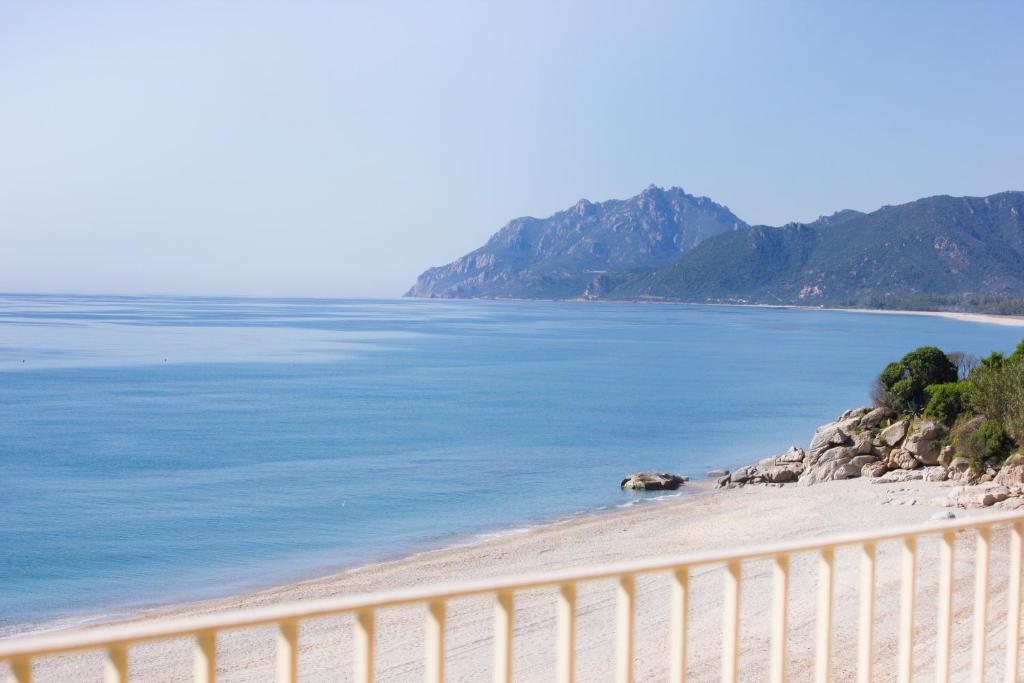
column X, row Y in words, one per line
column 338, row 149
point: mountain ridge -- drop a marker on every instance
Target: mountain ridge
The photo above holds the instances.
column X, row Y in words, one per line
column 964, row 253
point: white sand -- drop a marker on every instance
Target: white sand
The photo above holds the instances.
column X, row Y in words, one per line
column 709, row 520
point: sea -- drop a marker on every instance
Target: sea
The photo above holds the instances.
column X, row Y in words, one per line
column 155, row 450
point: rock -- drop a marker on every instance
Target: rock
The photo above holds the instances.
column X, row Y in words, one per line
column 900, row 459
column 873, row 418
column 825, row 437
column 862, row 443
column 941, row 516
column 946, row 455
column 861, row 461
column 855, row 412
column 794, row 454
column 874, row 469
column 833, row 465
column 982, row 495
column 923, row 442
column 715, row 474
column 882, row 451
column 894, row 433
column 783, row 474
column 899, row 476
column 1011, row 474
column 937, row 473
column 652, row 481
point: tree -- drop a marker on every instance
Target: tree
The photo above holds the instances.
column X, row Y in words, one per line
column 905, row 381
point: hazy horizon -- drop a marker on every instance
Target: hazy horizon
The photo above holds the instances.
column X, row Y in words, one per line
column 338, row 151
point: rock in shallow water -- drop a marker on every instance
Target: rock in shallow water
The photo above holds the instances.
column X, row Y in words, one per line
column 653, row 481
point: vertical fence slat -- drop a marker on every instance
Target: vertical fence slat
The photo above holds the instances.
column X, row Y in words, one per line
column 866, row 617
column 566, row 640
column 204, row 658
column 780, row 618
column 944, row 622
column 115, row 664
column 19, row 670
column 981, row 556
column 504, row 615
column 678, row 627
column 287, row 652
column 624, row 629
column 731, row 622
column 363, row 642
column 435, row 641
column 823, row 636
column 905, row 649
column 1013, row 603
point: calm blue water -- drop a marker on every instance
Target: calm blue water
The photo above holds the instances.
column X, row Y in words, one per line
column 157, row 449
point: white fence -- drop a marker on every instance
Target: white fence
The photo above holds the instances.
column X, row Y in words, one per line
column 20, row 654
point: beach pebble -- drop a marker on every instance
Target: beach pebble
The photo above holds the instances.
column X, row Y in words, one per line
column 945, row 514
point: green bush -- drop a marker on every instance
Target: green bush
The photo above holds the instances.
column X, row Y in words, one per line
column 947, row 401
column 990, row 441
column 997, row 392
column 901, row 385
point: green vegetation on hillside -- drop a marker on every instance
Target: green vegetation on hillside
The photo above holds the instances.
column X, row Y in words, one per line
column 980, row 401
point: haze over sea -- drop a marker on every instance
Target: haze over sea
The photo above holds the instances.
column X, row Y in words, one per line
column 159, row 449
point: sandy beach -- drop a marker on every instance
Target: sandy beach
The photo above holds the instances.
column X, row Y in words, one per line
column 705, row 520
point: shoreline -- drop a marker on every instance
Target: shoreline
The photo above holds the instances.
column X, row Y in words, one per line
column 963, row 316
column 709, row 518
column 257, row 591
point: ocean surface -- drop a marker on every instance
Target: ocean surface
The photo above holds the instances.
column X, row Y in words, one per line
column 159, row 449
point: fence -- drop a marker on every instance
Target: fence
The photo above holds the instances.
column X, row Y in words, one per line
column 115, row 640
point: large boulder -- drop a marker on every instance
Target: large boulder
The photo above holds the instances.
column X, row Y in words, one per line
column 1011, row 474
column 826, row 437
column 894, row 433
column 899, row 476
column 862, row 443
column 982, row 495
column 874, row 418
column 901, row 459
column 874, row 469
column 924, row 442
column 652, row 481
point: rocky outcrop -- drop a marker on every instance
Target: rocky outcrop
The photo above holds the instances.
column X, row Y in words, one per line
column 880, row 446
column 652, row 481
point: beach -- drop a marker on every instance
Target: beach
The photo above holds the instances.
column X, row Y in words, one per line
column 706, row 520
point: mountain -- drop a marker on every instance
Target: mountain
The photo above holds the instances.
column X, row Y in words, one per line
column 963, row 253
column 940, row 249
column 583, row 251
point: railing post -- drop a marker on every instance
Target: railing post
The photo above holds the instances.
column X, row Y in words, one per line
column 566, row 641
column 204, row 657
column 905, row 650
column 944, row 621
column 363, row 643
column 115, row 664
column 677, row 635
column 823, row 637
column 731, row 622
column 1013, row 603
column 287, row 652
column 20, row 670
column 866, row 619
column 504, row 615
column 435, row 641
column 624, row 630
column 981, row 557
column 780, row 618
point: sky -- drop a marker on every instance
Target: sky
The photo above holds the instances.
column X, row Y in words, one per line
column 337, row 149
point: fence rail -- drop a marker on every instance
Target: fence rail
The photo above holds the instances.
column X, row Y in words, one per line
column 116, row 640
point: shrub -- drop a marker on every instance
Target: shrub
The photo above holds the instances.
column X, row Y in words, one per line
column 947, row 401
column 983, row 441
column 904, row 382
column 997, row 392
